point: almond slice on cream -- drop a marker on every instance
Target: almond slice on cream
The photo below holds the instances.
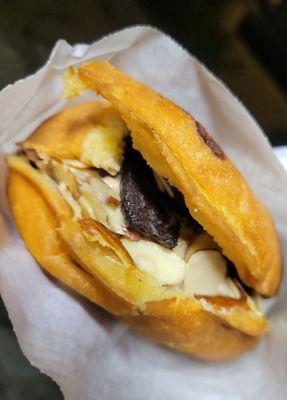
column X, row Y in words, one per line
column 96, row 195
column 202, row 242
column 114, row 183
column 70, row 200
column 161, row 263
column 206, row 274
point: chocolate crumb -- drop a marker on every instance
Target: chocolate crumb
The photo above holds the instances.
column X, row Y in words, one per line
column 210, row 142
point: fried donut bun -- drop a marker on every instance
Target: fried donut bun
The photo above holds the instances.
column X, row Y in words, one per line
column 130, row 202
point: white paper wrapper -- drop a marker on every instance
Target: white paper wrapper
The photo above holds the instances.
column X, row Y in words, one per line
column 89, row 354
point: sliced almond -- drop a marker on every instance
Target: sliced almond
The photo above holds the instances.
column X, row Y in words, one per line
column 75, row 164
column 161, row 263
column 97, row 194
column 201, row 242
column 206, row 275
column 113, row 183
column 62, row 174
column 70, row 200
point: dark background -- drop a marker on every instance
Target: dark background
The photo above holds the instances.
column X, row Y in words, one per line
column 244, row 42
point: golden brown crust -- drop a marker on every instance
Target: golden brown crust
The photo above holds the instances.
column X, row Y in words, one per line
column 183, row 324
column 178, row 148
column 62, row 135
column 176, row 325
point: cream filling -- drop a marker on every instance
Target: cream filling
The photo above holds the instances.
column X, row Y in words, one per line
column 204, row 273
column 195, row 265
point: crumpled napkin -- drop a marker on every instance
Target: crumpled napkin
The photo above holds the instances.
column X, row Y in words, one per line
column 88, row 353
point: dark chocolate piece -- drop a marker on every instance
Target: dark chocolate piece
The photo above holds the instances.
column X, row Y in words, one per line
column 144, row 205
